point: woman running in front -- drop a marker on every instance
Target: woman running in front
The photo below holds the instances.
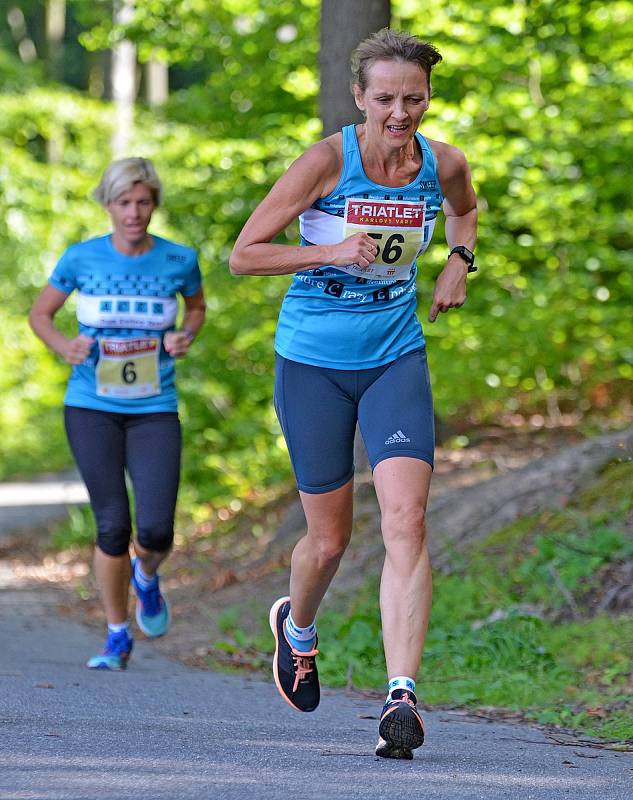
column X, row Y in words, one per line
column 349, row 348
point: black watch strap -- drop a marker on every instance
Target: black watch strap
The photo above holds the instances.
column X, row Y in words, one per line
column 467, row 255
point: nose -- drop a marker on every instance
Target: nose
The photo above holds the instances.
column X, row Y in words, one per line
column 398, row 111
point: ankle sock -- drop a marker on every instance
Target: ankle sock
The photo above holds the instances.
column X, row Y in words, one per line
column 142, row 579
column 401, row 682
column 301, row 639
column 119, row 627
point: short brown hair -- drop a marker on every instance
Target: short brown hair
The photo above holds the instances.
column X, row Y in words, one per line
column 388, row 45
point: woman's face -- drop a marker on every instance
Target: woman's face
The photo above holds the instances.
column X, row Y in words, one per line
column 131, row 213
column 394, row 102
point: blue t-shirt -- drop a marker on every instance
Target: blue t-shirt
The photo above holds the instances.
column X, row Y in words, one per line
column 335, row 317
column 126, row 303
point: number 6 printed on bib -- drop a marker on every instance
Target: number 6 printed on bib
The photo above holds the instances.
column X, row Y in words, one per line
column 396, row 226
column 128, row 368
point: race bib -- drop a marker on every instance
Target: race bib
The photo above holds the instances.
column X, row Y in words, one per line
column 397, row 226
column 128, row 368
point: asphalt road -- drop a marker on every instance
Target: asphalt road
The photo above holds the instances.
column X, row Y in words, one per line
column 163, row 731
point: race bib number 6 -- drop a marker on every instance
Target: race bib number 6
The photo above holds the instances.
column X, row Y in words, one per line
column 128, row 368
column 397, row 227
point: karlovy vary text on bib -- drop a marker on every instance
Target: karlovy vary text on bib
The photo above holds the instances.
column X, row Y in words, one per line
column 397, row 227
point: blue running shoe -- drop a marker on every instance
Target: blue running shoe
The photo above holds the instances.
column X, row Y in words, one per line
column 116, row 652
column 152, row 609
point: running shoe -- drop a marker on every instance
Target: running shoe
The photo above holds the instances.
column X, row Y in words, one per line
column 116, row 652
column 295, row 673
column 153, row 614
column 401, row 728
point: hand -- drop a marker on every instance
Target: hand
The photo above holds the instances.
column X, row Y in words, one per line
column 177, row 343
column 76, row 351
column 359, row 249
column 450, row 288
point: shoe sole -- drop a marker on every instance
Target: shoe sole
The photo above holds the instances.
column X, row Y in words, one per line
column 272, row 620
column 402, row 729
column 106, row 668
column 386, row 750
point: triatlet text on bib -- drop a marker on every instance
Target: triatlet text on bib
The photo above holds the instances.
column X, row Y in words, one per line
column 397, row 226
column 128, row 368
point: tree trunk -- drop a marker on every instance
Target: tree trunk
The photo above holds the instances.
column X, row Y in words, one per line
column 156, row 82
column 123, row 82
column 55, row 29
column 343, row 26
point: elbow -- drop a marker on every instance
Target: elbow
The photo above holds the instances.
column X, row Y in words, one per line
column 31, row 319
column 237, row 265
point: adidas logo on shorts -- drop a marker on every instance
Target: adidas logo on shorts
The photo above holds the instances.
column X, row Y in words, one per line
column 397, row 438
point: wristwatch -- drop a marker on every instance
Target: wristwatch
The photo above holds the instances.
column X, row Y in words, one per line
column 466, row 254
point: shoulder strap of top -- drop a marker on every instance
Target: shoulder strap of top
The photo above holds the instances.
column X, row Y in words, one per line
column 428, row 156
column 352, row 161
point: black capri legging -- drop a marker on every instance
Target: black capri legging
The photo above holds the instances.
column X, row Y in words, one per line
column 148, row 446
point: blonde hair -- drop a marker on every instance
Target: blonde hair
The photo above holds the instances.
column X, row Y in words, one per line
column 388, row 45
column 121, row 175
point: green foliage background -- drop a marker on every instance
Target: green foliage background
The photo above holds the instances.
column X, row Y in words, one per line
column 536, row 92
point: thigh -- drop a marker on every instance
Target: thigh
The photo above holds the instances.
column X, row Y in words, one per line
column 317, row 413
column 97, row 441
column 395, row 412
column 153, row 446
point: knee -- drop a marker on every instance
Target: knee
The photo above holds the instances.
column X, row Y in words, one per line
column 113, row 541
column 329, row 550
column 404, row 524
column 156, row 538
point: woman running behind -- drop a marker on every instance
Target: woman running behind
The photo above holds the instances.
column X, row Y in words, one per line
column 120, row 406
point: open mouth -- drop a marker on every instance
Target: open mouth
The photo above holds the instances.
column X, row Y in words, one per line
column 397, row 129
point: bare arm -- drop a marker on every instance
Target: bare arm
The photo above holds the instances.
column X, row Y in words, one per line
column 41, row 316
column 177, row 343
column 311, row 176
column 460, row 208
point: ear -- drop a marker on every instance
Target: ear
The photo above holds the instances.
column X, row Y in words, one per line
column 359, row 96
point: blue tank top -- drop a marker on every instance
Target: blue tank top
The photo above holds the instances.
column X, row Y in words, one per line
column 126, row 303
column 355, row 318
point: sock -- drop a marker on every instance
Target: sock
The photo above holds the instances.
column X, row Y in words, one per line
column 401, row 682
column 119, row 627
column 144, row 581
column 302, row 639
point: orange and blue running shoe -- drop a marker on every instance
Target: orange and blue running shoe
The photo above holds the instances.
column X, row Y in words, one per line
column 295, row 672
column 116, row 652
column 401, row 729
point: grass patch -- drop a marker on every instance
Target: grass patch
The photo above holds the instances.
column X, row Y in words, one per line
column 76, row 530
column 515, row 624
